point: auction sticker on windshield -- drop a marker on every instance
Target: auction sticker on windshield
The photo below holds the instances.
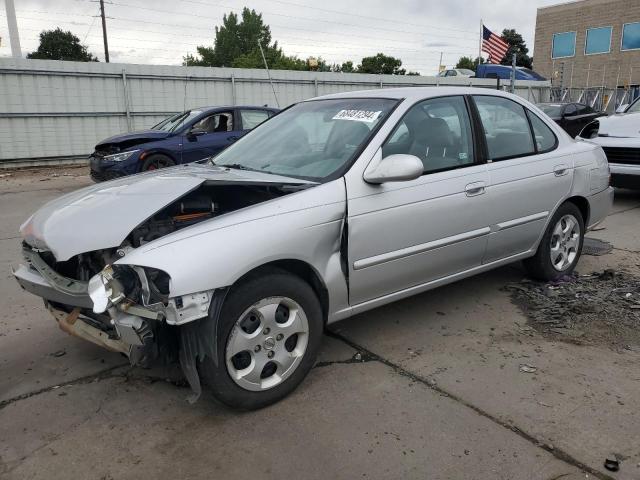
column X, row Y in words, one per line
column 367, row 116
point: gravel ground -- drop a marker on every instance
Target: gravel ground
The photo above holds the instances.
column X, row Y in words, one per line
column 598, row 308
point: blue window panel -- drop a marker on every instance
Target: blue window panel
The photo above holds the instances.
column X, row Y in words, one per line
column 631, row 36
column 598, row 40
column 563, row 45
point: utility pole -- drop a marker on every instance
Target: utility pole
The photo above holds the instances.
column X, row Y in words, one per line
column 104, row 32
column 14, row 38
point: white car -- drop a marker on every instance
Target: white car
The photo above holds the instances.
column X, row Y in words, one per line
column 457, row 72
column 619, row 137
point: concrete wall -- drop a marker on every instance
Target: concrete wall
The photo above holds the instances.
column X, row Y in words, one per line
column 52, row 111
column 617, row 68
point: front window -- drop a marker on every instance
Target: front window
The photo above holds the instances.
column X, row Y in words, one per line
column 437, row 131
column 598, row 40
column 631, row 36
column 634, row 107
column 563, row 45
column 314, row 140
column 216, row 123
column 177, row 121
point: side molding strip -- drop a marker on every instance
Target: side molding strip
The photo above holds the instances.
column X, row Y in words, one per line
column 416, row 249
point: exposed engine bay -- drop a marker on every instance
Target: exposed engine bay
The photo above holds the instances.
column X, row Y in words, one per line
column 130, row 309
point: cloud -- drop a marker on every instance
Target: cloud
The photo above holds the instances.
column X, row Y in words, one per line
column 415, row 31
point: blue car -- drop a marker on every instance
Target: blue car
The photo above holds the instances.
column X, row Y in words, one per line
column 181, row 138
column 488, row 70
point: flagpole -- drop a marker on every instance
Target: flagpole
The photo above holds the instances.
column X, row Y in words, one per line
column 480, row 43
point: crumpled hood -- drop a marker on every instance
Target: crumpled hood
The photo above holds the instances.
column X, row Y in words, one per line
column 101, row 216
column 148, row 135
column 620, row 125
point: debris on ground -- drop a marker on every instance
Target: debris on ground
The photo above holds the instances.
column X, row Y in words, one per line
column 601, row 307
column 612, row 464
column 524, row 368
column 59, row 353
column 4, row 175
column 593, row 246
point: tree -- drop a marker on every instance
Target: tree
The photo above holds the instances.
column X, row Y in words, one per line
column 517, row 46
column 381, row 64
column 60, row 45
column 466, row 62
column 233, row 40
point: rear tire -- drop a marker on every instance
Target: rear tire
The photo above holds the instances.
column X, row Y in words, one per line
column 269, row 333
column 560, row 247
column 156, row 161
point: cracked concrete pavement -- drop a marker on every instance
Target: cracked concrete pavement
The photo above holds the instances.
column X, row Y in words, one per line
column 437, row 391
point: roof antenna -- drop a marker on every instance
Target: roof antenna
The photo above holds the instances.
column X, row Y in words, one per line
column 268, row 73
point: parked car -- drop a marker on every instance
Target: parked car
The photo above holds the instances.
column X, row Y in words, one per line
column 182, row 138
column 619, row 137
column 488, row 70
column 457, row 72
column 335, row 206
column 572, row 117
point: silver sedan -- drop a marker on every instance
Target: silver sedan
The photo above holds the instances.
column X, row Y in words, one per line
column 233, row 265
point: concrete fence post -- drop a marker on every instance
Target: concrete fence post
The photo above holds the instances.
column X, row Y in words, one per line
column 127, row 108
column 233, row 90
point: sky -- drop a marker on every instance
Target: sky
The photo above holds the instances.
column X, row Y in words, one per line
column 164, row 31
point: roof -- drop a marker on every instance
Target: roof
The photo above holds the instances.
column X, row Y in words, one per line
column 574, row 4
column 226, row 107
column 416, row 93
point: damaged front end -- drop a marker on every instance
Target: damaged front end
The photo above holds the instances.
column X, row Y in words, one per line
column 153, row 326
column 127, row 309
column 124, row 307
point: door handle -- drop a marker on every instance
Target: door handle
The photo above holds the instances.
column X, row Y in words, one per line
column 560, row 170
column 475, row 188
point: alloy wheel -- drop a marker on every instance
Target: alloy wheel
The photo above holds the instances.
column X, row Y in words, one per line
column 267, row 343
column 565, row 241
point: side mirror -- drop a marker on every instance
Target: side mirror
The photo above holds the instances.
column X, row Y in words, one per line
column 193, row 134
column 394, row 168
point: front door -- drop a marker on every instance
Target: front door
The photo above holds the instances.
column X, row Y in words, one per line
column 406, row 234
column 528, row 175
column 209, row 136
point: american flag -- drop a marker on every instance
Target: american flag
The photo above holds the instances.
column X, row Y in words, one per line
column 495, row 46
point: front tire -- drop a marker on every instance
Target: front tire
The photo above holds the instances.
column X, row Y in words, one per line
column 269, row 333
column 560, row 247
column 156, row 161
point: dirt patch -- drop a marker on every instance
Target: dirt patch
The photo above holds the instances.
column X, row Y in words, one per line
column 601, row 307
column 43, row 172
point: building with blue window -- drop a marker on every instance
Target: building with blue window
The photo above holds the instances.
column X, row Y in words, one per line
column 589, row 43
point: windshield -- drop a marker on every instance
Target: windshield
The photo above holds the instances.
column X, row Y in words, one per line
column 634, row 107
column 535, row 75
column 176, row 121
column 464, row 71
column 551, row 110
column 310, row 140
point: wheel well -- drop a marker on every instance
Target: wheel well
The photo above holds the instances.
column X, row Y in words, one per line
column 300, row 269
column 151, row 152
column 583, row 206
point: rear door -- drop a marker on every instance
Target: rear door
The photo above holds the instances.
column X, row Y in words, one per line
column 406, row 234
column 528, row 174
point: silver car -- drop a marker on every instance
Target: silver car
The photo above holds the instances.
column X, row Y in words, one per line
column 335, row 206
